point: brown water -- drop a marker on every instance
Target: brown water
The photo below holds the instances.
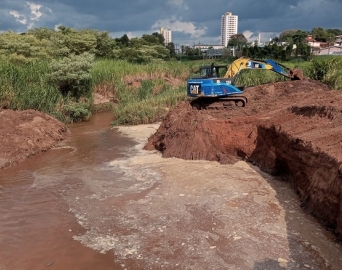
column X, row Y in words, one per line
column 36, row 224
column 98, row 201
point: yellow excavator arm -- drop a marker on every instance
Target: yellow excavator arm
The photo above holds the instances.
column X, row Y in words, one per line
column 248, row 63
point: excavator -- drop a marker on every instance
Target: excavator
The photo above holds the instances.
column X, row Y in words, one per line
column 215, row 87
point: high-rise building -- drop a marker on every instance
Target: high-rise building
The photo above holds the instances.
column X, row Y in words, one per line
column 167, row 35
column 229, row 27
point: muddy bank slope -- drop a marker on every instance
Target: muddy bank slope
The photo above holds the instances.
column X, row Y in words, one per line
column 288, row 128
column 26, row 133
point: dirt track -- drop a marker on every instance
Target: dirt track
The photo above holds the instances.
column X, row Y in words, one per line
column 291, row 129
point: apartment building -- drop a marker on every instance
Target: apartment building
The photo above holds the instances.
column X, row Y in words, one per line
column 229, row 27
column 167, row 34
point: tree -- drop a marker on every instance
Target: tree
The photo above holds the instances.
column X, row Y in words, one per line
column 287, row 35
column 72, row 74
column 238, row 40
column 123, row 41
column 23, row 48
column 303, row 50
column 42, row 33
column 160, row 37
column 80, row 42
column 320, row 34
column 171, row 47
column 149, row 39
column 65, row 30
column 275, row 40
column 144, row 54
column 335, row 32
column 299, row 36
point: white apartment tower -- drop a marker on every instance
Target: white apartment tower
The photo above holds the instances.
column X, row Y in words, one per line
column 229, row 27
column 167, row 35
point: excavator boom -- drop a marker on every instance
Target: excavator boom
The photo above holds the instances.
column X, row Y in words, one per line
column 247, row 63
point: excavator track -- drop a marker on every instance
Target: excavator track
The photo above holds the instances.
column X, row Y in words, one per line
column 226, row 103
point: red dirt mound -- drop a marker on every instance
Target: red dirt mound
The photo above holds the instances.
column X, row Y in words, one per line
column 25, row 133
column 291, row 128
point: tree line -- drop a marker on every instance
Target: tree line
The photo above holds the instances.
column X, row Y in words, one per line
column 44, row 43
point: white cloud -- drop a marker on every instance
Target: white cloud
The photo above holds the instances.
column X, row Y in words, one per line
column 267, row 36
column 178, row 3
column 35, row 13
column 178, row 26
column 248, row 34
column 32, row 15
column 264, row 36
column 56, row 27
column 21, row 18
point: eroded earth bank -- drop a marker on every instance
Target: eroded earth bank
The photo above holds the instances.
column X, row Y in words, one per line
column 26, row 133
column 292, row 129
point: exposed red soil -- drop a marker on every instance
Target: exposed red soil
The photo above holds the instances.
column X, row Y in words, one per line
column 291, row 128
column 26, row 133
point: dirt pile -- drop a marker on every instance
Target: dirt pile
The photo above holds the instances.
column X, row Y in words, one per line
column 26, row 133
column 287, row 128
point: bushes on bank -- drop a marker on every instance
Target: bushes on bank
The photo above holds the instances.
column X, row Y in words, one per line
column 59, row 88
column 71, row 75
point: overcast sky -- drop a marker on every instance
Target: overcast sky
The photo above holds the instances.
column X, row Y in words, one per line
column 191, row 21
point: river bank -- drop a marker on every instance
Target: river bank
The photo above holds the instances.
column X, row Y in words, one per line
column 292, row 129
column 26, row 133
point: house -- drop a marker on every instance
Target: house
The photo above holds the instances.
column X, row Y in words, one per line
column 332, row 50
column 316, row 46
column 336, row 49
column 312, row 42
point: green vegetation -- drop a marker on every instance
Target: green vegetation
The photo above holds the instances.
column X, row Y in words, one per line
column 59, row 72
column 60, row 88
column 25, row 87
column 326, row 69
column 144, row 92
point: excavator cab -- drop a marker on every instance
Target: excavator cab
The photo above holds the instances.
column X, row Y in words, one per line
column 213, row 71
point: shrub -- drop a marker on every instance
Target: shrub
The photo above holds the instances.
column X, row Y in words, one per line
column 327, row 69
column 76, row 112
column 72, row 75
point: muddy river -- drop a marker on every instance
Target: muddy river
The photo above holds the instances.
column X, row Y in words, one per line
column 98, row 201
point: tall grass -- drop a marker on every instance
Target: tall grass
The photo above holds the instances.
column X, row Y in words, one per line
column 150, row 100
column 252, row 77
column 25, row 87
column 327, row 69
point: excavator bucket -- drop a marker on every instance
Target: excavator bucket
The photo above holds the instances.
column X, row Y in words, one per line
column 296, row 74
